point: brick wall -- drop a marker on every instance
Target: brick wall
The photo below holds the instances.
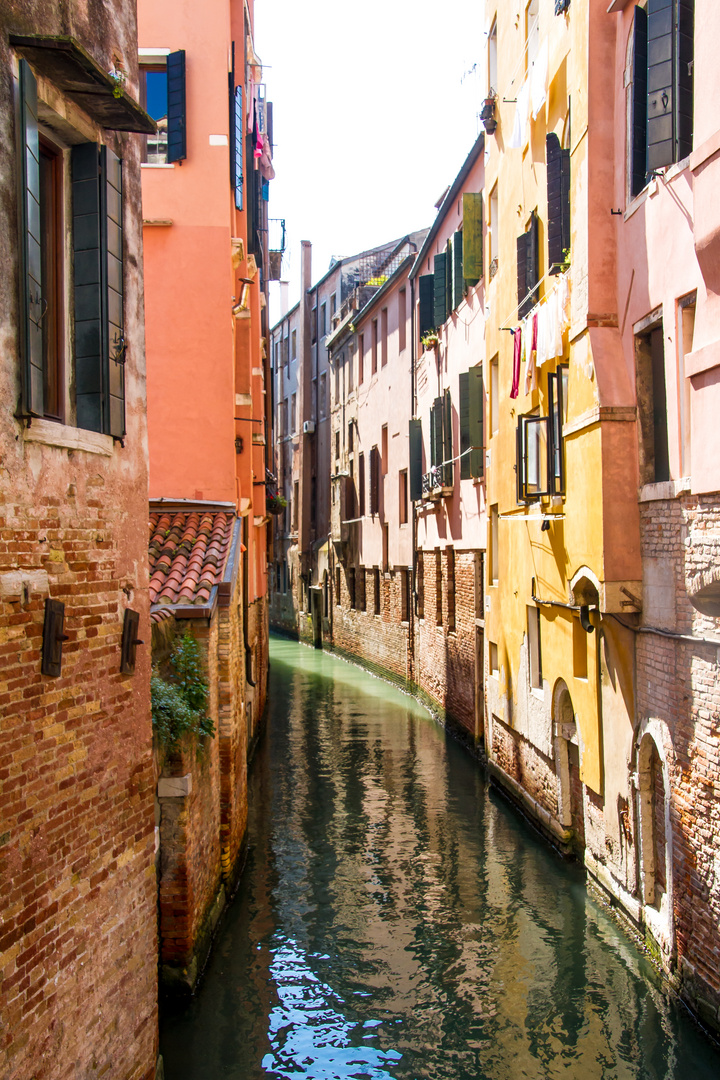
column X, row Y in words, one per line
column 522, row 761
column 679, row 683
column 380, row 640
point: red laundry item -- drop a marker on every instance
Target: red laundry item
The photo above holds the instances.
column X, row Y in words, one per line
column 517, row 352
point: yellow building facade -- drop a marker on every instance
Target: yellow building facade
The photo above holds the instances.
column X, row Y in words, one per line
column 563, row 563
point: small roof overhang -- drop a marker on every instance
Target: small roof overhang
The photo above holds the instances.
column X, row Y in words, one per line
column 72, row 69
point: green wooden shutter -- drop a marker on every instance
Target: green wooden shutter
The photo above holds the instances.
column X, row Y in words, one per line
column 685, row 52
column 416, row 460
column 87, row 245
column 439, row 309
column 177, row 140
column 661, row 94
column 238, row 133
column 464, row 414
column 639, row 102
column 532, row 251
column 476, row 403
column 31, row 298
column 448, row 278
column 427, row 302
column 458, row 281
column 436, row 433
column 558, row 194
column 472, row 237
column 113, row 291
column 447, row 439
column 99, row 299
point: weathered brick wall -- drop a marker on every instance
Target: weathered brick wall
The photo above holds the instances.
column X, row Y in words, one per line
column 232, row 734
column 380, row 640
column 522, row 761
column 445, row 661
column 679, row 683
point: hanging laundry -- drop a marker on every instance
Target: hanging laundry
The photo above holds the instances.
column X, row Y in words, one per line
column 266, row 165
column 517, row 351
column 539, row 80
column 563, row 286
column 531, row 369
column 521, row 114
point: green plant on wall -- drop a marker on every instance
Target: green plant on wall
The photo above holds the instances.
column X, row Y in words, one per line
column 179, row 703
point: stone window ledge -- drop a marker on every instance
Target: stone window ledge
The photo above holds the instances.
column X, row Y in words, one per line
column 49, row 433
column 668, row 489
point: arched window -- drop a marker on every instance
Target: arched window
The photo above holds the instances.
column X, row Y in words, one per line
column 651, row 812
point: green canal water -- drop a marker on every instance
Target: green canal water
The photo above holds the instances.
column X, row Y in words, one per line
column 396, row 919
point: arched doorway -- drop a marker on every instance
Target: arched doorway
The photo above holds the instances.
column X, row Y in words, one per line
column 568, row 758
column 652, row 799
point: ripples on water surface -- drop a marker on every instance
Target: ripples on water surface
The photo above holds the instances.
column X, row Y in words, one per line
column 395, row 920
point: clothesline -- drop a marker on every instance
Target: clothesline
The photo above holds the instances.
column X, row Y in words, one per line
column 532, row 310
column 521, row 58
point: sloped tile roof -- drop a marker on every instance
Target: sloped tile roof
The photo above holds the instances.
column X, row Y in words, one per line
column 187, row 555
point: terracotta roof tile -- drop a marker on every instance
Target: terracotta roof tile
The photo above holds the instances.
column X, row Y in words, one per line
column 188, row 552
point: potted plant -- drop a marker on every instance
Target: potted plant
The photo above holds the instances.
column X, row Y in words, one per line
column 430, row 339
column 275, row 503
column 487, row 114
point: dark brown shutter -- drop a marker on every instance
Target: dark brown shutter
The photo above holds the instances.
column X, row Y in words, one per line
column 472, row 237
column 639, row 102
column 522, row 243
column 114, row 316
column 532, row 252
column 458, row 282
column 176, row 134
column 558, row 192
column 427, row 303
column 685, row 52
column 31, row 299
column 374, row 480
column 416, row 449
column 439, row 308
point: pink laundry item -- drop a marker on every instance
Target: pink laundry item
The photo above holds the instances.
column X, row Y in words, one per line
column 517, row 351
column 258, row 145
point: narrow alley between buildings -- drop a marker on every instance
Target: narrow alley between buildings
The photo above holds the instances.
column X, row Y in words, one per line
column 397, row 919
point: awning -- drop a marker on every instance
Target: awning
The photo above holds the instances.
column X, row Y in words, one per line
column 72, row 70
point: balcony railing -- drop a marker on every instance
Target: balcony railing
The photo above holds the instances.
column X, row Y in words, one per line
column 438, row 481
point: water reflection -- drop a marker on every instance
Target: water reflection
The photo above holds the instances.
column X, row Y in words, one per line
column 397, row 920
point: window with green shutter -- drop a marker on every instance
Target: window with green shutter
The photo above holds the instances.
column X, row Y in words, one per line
column 98, row 279
column 558, row 196
column 238, row 149
column 416, row 456
column 447, row 440
column 427, row 303
column 472, row 249
column 31, row 306
column 439, row 293
column 471, row 410
column 528, row 267
column 458, row 281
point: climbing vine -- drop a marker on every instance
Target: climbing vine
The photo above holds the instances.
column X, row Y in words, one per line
column 179, row 702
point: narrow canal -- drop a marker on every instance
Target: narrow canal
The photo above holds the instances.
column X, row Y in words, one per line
column 396, row 919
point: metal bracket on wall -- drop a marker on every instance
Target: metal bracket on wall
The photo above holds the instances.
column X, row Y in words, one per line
column 130, row 642
column 53, row 638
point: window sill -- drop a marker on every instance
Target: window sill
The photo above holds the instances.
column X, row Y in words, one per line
column 49, row 433
column 157, row 165
column 667, row 489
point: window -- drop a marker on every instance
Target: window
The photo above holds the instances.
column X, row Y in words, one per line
column 162, row 95
column 95, row 176
column 533, row 470
column 293, row 353
column 386, row 546
column 558, row 196
column 652, row 405
column 494, row 552
column 293, row 413
column 337, row 448
column 450, row 590
column 338, row 587
column 351, row 586
column 361, row 485
column 402, row 318
column 323, row 320
column 295, row 506
column 384, row 336
column 350, row 364
column 237, row 137
column 323, row 395
column 580, row 650
column 492, row 60
column 416, row 459
column 405, row 587
column 377, row 595
column 455, row 254
column 661, row 108
column 493, row 659
column 493, row 254
column 528, row 267
column 361, row 586
column 494, row 396
column 350, row 437
column 438, row 587
column 532, row 33
column 441, row 306
column 441, row 442
column 471, row 410
column 557, row 401
column 361, row 359
column 284, row 430
column 534, row 654
column 313, row 325
column 333, row 306
column 686, row 331
column 286, row 353
column 403, row 496
column 384, row 445
column 420, row 585
column 374, row 347
column 479, row 585
column 471, row 238
column 426, row 303
column 374, row 481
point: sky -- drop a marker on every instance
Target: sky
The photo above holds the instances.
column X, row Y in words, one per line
column 375, row 108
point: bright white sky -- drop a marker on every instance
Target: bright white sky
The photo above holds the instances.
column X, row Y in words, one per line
column 375, row 109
